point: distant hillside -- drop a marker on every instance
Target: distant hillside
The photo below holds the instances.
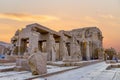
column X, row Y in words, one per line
column 4, row 44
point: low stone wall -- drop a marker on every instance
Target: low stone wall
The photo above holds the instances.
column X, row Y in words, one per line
column 113, row 66
column 80, row 63
column 9, row 59
column 112, row 61
column 6, row 61
column 6, row 70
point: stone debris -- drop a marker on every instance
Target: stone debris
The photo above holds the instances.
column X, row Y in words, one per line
column 38, row 62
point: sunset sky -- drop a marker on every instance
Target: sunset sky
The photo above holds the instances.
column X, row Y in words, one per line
column 62, row 15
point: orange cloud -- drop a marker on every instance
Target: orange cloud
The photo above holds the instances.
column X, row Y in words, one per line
column 90, row 19
column 107, row 16
column 27, row 17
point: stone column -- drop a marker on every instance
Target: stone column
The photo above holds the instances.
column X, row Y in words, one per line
column 63, row 49
column 19, row 46
column 33, row 42
column 60, row 48
column 72, row 46
column 87, row 51
column 50, row 47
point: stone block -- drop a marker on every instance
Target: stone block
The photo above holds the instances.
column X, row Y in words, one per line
column 70, row 59
column 78, row 64
column 11, row 58
column 37, row 63
column 67, row 64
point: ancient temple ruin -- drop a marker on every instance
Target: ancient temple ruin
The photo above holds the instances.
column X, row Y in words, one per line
column 4, row 47
column 75, row 45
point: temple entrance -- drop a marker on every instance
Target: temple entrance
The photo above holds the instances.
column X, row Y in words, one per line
column 95, row 55
column 42, row 46
column 24, row 46
column 57, row 44
column 68, row 48
column 57, row 47
column 83, row 50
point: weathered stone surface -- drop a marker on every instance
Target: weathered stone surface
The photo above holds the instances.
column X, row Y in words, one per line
column 22, row 64
column 76, row 56
column 11, row 58
column 51, row 48
column 37, row 63
column 64, row 54
column 26, row 55
column 70, row 59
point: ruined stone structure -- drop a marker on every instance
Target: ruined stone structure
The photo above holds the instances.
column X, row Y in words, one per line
column 90, row 41
column 4, row 47
column 74, row 45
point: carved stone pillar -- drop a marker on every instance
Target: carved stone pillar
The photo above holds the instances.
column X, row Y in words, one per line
column 63, row 49
column 87, row 51
column 50, row 47
column 33, row 41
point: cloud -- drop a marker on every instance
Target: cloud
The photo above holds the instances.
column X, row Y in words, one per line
column 27, row 17
column 90, row 19
column 107, row 16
